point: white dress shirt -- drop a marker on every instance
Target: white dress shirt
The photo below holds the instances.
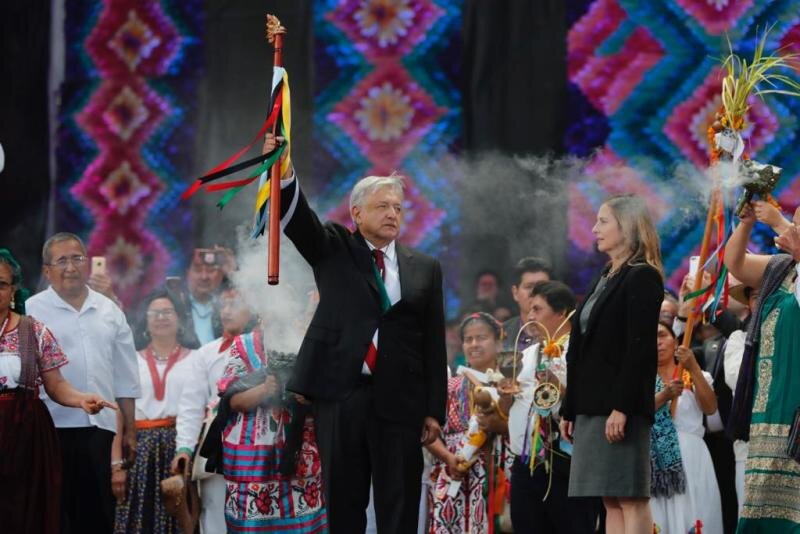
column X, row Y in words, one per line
column 734, row 351
column 200, row 390
column 391, row 281
column 99, row 345
column 520, row 412
column 147, row 406
column 391, row 275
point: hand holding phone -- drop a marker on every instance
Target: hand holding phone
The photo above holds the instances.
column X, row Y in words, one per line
column 98, row 265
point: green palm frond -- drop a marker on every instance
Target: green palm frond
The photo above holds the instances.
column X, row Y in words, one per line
column 761, row 76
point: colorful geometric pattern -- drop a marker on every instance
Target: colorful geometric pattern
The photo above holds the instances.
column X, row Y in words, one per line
column 386, row 99
column 644, row 80
column 132, row 67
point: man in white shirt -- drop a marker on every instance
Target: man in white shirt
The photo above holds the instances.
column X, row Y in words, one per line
column 540, row 474
column 94, row 334
column 200, row 399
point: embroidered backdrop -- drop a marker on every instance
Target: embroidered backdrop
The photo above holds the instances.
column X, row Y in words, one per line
column 644, row 82
column 386, row 99
column 125, row 133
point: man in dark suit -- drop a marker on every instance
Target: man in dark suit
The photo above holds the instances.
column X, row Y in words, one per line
column 373, row 361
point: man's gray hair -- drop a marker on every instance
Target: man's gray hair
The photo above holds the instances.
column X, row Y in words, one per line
column 367, row 186
column 60, row 237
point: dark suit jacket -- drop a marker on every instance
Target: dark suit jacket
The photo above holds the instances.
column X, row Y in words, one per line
column 410, row 377
column 613, row 365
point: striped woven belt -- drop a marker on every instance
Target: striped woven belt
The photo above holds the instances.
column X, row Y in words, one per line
column 144, row 424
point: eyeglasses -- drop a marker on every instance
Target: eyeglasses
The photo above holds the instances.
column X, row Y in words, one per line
column 61, row 263
column 5, row 286
column 161, row 314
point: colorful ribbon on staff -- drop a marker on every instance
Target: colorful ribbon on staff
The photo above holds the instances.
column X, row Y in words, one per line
column 280, row 115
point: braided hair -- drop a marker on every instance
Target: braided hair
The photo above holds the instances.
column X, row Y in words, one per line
column 21, row 294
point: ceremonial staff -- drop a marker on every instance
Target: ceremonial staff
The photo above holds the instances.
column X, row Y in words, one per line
column 742, row 79
column 275, row 34
column 277, row 162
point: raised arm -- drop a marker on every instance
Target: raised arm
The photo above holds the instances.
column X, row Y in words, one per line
column 748, row 268
column 298, row 221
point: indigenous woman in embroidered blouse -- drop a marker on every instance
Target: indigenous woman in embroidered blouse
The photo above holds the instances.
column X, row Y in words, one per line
column 30, row 459
column 611, row 369
column 683, row 486
column 461, row 502
column 165, row 363
column 257, row 497
column 768, row 389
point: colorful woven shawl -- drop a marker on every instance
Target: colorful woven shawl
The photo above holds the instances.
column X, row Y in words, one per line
column 666, row 467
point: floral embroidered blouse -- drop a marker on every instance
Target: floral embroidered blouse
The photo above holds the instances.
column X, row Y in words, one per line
column 48, row 357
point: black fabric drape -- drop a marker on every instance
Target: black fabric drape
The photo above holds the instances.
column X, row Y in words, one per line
column 25, row 181
column 514, row 88
column 514, row 75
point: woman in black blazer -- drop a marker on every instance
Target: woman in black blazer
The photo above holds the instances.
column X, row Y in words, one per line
column 611, row 369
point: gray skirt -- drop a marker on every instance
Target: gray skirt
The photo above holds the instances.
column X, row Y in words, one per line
column 603, row 469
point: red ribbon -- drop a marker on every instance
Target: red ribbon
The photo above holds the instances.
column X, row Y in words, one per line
column 227, row 341
column 230, row 185
column 159, row 383
column 268, row 123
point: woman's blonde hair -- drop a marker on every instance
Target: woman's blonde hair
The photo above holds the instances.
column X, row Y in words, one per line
column 638, row 229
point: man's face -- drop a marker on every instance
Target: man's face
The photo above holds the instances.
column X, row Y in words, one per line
column 203, row 278
column 522, row 292
column 541, row 312
column 669, row 310
column 381, row 217
column 486, row 287
column 68, row 269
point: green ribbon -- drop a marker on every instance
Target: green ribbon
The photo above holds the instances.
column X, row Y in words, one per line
column 385, row 302
column 266, row 164
column 695, row 294
column 699, row 292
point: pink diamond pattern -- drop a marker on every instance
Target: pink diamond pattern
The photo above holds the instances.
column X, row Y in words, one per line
column 125, row 113
column 385, row 28
column 608, row 80
column 689, row 121
column 716, row 16
column 132, row 41
column 386, row 114
column 113, row 187
column 142, row 38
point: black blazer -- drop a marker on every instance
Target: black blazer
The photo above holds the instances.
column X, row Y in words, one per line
column 410, row 377
column 613, row 365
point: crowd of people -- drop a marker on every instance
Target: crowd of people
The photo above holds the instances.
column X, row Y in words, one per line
column 586, row 411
